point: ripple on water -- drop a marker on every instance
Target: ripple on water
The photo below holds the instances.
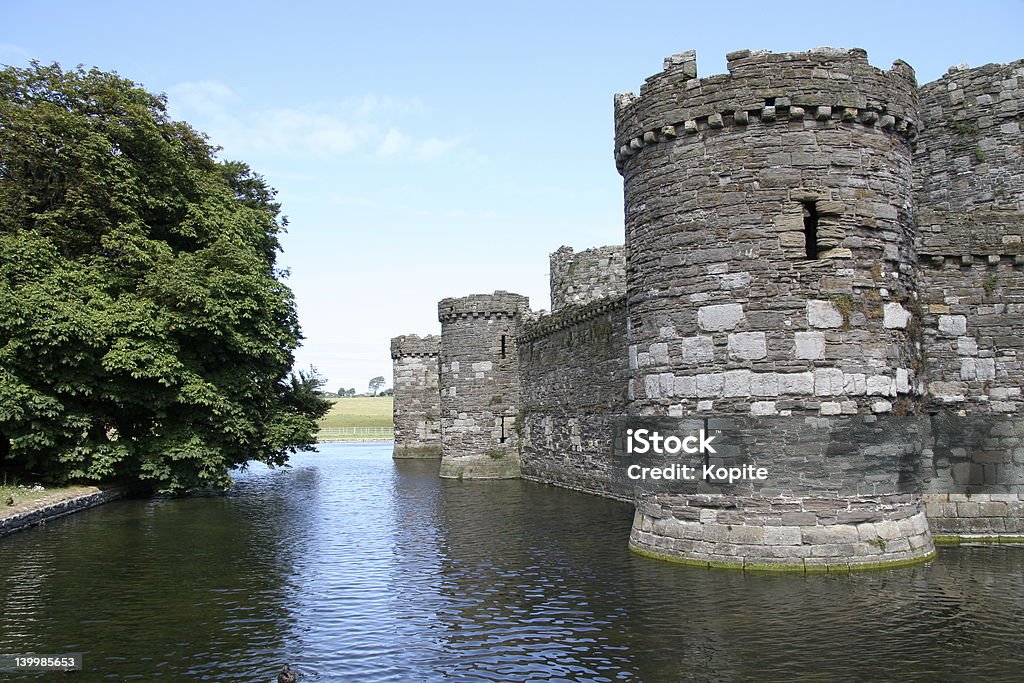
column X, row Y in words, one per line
column 354, row 567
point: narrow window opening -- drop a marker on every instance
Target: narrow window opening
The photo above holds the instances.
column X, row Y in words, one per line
column 769, row 101
column 811, row 218
column 502, row 439
column 502, row 346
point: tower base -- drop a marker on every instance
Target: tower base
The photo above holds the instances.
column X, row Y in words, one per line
column 784, row 534
column 496, row 464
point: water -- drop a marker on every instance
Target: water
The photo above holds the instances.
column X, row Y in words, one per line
column 353, row 567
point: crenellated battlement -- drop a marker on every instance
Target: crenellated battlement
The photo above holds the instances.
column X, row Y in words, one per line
column 822, row 87
column 810, row 237
column 592, row 274
column 568, row 316
column 500, row 304
column 412, row 345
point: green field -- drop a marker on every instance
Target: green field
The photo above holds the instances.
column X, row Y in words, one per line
column 358, row 415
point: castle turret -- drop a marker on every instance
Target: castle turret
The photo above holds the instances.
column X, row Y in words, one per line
column 579, row 278
column 480, row 381
column 970, row 190
column 417, row 408
column 770, row 267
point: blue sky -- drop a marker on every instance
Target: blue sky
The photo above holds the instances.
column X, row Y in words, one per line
column 424, row 150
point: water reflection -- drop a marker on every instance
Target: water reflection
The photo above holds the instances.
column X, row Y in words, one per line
column 352, row 566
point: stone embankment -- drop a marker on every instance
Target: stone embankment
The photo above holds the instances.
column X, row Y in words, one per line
column 55, row 505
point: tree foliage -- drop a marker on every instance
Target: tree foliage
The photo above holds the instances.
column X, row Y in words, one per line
column 145, row 331
column 375, row 384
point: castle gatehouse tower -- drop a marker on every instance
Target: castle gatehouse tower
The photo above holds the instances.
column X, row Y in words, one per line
column 480, row 385
column 417, row 407
column 771, row 275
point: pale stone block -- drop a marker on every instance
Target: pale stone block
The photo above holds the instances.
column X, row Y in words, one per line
column 685, row 387
column 709, row 385
column 980, row 369
column 659, row 353
column 760, row 408
column 736, row 383
column 764, row 384
column 809, row 345
column 652, row 386
column 880, row 385
column 747, row 345
column 881, row 407
column 633, row 360
column 828, row 382
column 675, row 410
column 667, row 332
column 796, row 383
column 734, row 280
column 902, row 381
column 823, row 314
column 894, row 316
column 966, row 346
column 782, row 535
column 831, row 408
column 483, row 366
column 667, row 383
column 719, row 317
column 953, row 325
column 704, row 406
column 948, row 392
column 695, row 350
column 855, row 384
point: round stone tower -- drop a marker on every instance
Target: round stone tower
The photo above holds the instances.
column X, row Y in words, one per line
column 417, row 403
column 771, row 272
column 480, row 380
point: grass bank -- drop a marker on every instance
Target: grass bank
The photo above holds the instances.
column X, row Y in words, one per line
column 358, row 417
column 17, row 499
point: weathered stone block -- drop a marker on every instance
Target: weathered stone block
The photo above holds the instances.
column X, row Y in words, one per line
column 823, row 314
column 809, row 345
column 747, row 345
column 953, row 325
column 800, row 383
column 696, row 350
column 828, row 382
column 720, row 317
column 894, row 316
column 736, row 383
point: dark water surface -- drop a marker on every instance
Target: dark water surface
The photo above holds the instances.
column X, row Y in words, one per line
column 356, row 568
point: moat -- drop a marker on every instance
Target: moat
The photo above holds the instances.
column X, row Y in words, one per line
column 352, row 566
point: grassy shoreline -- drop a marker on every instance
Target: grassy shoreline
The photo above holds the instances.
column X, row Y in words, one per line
column 33, row 497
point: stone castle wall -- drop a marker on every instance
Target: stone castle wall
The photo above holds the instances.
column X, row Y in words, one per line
column 479, row 376
column 589, row 275
column 417, row 405
column 970, row 184
column 573, row 389
column 769, row 214
column 806, row 235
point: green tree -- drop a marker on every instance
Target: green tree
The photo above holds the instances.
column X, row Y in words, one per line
column 145, row 331
column 375, row 384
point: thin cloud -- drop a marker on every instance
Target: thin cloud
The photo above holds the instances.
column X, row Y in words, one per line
column 350, row 126
column 9, row 53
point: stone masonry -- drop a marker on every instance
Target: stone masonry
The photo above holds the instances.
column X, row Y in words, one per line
column 417, row 410
column 480, row 385
column 807, row 237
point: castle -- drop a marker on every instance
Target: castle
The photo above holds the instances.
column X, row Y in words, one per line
column 806, row 236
